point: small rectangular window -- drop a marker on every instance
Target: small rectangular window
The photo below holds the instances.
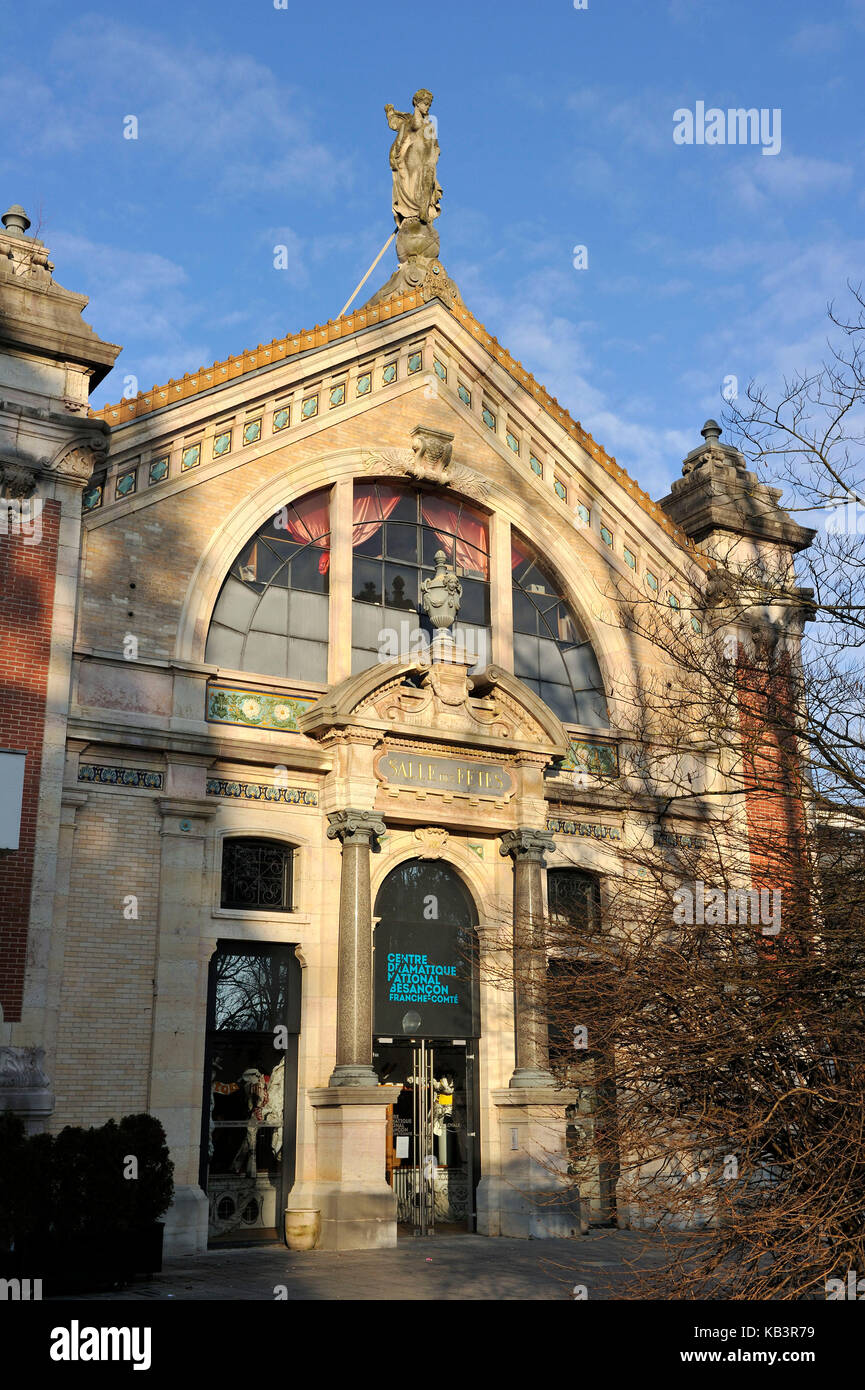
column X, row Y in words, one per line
column 257, row 874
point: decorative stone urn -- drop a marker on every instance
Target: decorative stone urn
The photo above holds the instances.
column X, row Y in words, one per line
column 442, row 594
column 302, row 1229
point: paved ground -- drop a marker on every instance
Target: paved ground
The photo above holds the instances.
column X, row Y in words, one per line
column 452, row 1267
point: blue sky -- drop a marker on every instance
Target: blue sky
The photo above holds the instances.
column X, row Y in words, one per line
column 261, row 126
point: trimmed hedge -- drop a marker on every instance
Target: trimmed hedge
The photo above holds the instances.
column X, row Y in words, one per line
column 67, row 1211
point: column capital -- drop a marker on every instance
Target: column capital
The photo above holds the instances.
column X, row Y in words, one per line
column 527, row 845
column 355, row 826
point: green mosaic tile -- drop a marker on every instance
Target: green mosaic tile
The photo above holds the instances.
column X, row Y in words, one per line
column 281, row 419
column 190, row 458
column 252, row 709
column 158, row 470
column 252, row 432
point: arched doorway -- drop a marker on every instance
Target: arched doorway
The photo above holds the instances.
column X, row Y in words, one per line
column 425, row 1032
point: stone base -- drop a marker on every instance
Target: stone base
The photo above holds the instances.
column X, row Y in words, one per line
column 358, row 1208
column 186, row 1222
column 532, row 1196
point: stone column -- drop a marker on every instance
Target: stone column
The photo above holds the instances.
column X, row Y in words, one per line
column 527, row 848
column 358, row 831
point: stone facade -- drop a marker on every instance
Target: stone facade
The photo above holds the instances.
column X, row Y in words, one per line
column 152, row 758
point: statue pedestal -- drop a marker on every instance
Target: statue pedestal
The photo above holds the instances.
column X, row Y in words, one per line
column 358, row 1208
column 531, row 1196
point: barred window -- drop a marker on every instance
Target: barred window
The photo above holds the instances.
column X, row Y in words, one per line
column 574, row 902
column 257, row 874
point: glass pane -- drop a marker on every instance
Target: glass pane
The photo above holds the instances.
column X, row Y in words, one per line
column 366, row 582
column 307, row 661
column 251, row 988
column 432, row 542
column 561, row 701
column 475, row 606
column 400, row 586
column 401, row 542
column 525, row 613
column 372, row 545
column 310, row 570
column 402, row 896
column 525, row 657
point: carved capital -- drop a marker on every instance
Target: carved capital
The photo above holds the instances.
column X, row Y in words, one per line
column 21, row 1069
column 355, row 827
column 527, row 846
column 17, row 480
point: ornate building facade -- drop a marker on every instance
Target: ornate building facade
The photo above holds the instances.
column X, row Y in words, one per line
column 271, row 820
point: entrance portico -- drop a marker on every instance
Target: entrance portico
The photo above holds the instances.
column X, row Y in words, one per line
column 432, row 762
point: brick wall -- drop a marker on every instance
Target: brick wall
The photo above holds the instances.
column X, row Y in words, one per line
column 27, row 578
column 106, row 1004
column 772, row 778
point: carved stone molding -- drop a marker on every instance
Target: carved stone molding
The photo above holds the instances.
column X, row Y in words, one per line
column 433, row 839
column 430, row 460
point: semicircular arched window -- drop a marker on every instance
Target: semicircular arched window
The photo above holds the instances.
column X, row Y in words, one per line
column 552, row 654
column 271, row 616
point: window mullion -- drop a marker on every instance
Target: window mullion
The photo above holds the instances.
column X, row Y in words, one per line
column 341, row 554
column 501, row 593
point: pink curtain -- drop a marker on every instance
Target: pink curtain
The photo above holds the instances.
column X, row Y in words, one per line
column 309, row 520
column 372, row 506
column 472, row 547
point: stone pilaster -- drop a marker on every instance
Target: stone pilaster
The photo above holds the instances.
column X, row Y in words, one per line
column 179, row 1014
column 358, row 832
column 526, row 848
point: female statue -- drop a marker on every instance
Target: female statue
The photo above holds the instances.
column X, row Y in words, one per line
column 413, row 158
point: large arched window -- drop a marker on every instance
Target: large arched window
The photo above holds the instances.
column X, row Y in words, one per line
column 271, row 616
column 397, row 531
column 551, row 652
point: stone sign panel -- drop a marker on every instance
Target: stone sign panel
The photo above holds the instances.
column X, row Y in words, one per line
column 469, row 776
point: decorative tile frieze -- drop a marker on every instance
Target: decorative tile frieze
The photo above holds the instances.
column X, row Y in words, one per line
column 229, row 704
column 577, row 827
column 261, row 791
column 121, row 776
column 598, row 759
column 673, row 840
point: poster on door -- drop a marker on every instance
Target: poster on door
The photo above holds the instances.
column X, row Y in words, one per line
column 422, row 981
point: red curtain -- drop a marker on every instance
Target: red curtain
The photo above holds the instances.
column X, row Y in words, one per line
column 472, row 547
column 372, row 506
column 308, row 520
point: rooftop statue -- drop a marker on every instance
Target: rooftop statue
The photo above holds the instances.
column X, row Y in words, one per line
column 416, row 202
column 413, row 159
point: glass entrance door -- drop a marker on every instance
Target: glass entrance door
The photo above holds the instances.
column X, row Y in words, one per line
column 432, row 1151
column 250, row 1089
